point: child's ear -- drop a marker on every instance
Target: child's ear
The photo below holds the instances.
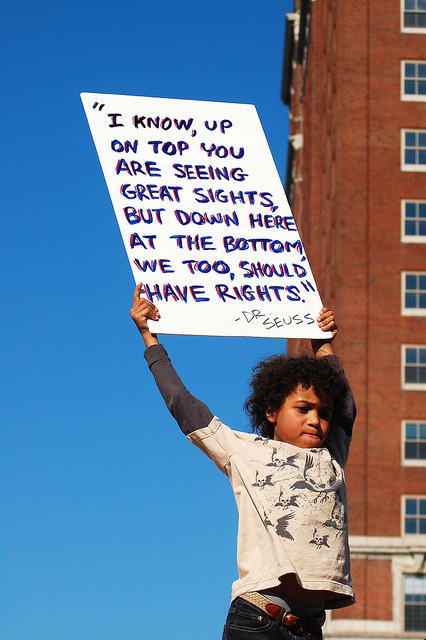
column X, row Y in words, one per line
column 271, row 416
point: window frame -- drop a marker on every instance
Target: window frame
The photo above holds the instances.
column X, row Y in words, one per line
column 410, row 462
column 420, row 537
column 408, row 166
column 410, row 311
column 410, row 386
column 410, row 97
column 405, row 575
column 409, row 29
column 417, row 239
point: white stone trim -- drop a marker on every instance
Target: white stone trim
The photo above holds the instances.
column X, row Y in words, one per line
column 407, row 556
column 295, row 19
column 401, row 565
column 360, row 629
column 386, row 545
column 296, row 141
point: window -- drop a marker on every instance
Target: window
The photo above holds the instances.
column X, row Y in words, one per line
column 413, row 149
column 414, row 442
column 415, row 603
column 414, row 367
column 413, row 80
column 413, row 15
column 415, row 516
column 413, row 220
column 413, row 293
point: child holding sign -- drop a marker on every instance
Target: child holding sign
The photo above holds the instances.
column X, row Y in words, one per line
column 288, row 482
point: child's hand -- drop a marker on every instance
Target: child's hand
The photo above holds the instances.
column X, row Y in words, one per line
column 142, row 310
column 327, row 322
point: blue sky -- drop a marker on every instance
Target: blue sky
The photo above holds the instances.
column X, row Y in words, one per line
column 111, row 521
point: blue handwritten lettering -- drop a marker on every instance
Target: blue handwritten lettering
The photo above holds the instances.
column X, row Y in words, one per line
column 165, row 266
column 134, row 216
column 221, row 151
column 169, row 148
column 154, row 292
column 223, row 125
column 119, row 147
column 198, row 242
column 203, row 266
column 139, row 191
column 136, row 240
column 248, row 293
column 209, row 173
column 185, row 218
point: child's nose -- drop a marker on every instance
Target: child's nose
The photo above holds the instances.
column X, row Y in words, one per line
column 314, row 418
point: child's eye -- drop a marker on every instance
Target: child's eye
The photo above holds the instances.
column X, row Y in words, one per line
column 303, row 409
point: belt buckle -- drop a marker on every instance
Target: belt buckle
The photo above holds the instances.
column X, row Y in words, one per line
column 292, row 622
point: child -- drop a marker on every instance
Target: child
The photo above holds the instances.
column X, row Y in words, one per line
column 288, row 482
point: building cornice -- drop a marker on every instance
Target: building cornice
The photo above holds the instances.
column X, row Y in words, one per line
column 386, row 545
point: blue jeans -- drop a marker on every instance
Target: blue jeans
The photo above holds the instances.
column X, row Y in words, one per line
column 246, row 622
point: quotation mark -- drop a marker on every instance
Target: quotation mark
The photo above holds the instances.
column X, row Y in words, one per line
column 101, row 106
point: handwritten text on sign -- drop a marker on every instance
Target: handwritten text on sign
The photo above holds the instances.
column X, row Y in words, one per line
column 203, row 215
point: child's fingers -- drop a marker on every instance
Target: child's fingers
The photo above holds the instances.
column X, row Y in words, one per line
column 137, row 293
column 149, row 310
column 326, row 320
column 143, row 309
column 142, row 304
column 324, row 314
column 328, row 326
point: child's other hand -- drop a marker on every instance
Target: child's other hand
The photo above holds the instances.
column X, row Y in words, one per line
column 327, row 322
column 142, row 310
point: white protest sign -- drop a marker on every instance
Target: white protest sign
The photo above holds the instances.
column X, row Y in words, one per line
column 204, row 217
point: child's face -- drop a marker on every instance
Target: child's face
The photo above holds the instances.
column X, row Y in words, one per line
column 303, row 419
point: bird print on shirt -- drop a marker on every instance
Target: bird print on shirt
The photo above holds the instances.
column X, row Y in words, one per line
column 262, row 482
column 320, row 541
column 282, row 524
column 338, row 518
column 310, row 484
column 279, row 461
column 284, row 502
column 295, row 484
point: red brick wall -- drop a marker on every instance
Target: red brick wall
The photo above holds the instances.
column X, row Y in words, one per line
column 374, row 579
column 347, row 208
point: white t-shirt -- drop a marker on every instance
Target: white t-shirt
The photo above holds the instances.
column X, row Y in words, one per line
column 291, row 501
column 292, row 511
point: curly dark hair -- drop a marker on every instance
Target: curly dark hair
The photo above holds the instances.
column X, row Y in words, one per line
column 275, row 378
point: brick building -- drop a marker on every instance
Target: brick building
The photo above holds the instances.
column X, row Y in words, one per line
column 355, row 81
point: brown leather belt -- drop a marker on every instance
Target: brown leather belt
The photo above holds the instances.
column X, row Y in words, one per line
column 281, row 616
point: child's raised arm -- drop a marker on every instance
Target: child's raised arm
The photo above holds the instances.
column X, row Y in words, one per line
column 326, row 322
column 190, row 413
column 140, row 312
